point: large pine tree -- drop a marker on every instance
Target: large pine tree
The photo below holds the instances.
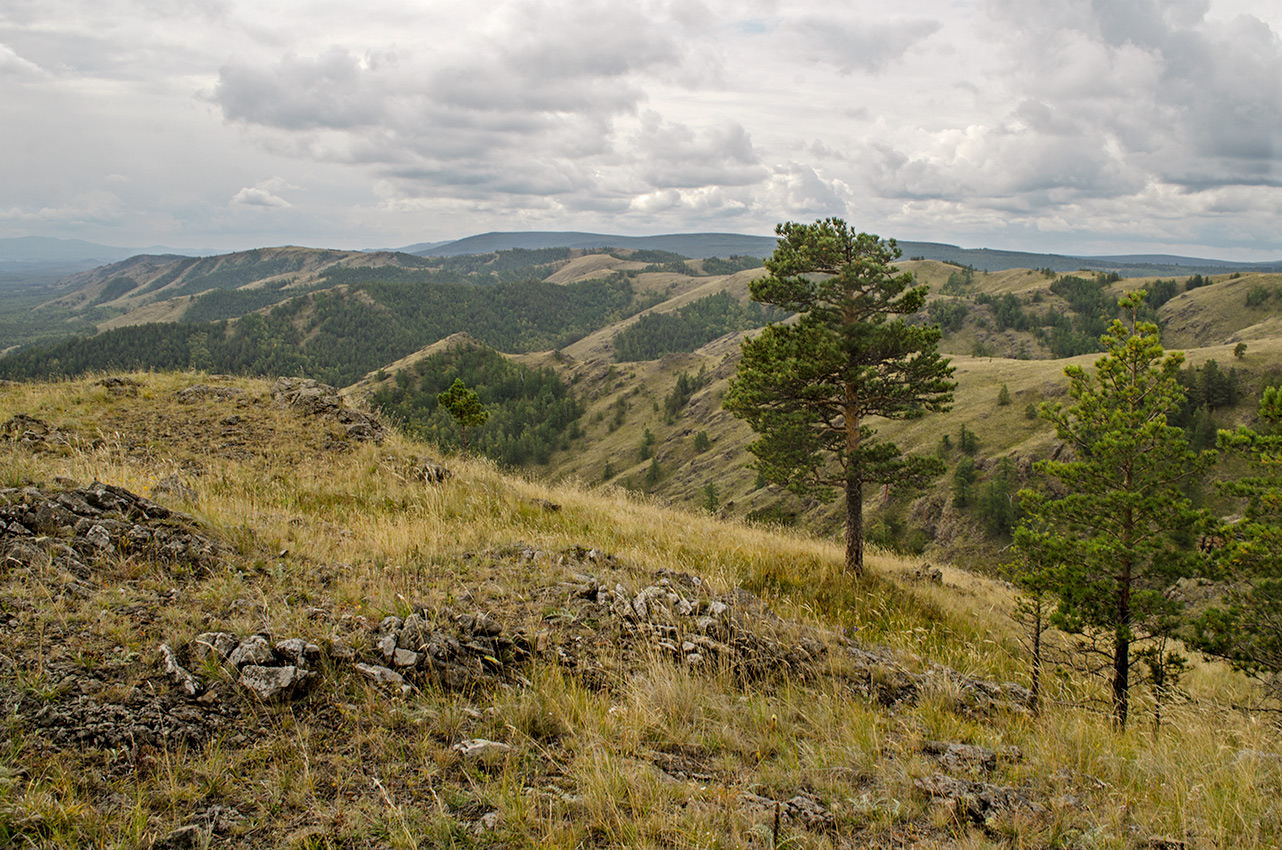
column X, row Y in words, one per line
column 811, row 387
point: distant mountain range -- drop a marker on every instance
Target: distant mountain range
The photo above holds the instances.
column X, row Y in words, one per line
column 700, row 245
column 45, row 254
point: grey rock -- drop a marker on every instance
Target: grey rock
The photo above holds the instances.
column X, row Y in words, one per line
column 387, row 646
column 271, row 683
column 177, row 674
column 405, row 658
column 298, row 652
column 218, row 644
column 252, row 650
column 189, row 837
column 98, row 538
column 381, row 675
column 478, row 749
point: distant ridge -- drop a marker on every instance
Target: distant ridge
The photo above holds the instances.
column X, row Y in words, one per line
column 700, row 245
column 692, row 245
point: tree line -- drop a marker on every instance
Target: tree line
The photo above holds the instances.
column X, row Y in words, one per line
column 339, row 335
column 510, row 413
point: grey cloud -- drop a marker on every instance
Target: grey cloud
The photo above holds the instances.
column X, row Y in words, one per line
column 674, row 156
column 857, row 44
column 332, row 90
column 14, row 66
column 257, row 197
column 1192, row 101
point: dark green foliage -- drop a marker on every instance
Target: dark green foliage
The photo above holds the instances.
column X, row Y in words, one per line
column 218, row 304
column 689, row 327
column 1245, row 628
column 170, row 276
column 701, row 442
column 735, row 263
column 531, row 412
column 1258, row 296
column 1196, row 282
column 339, row 335
column 682, row 390
column 647, row 444
column 676, row 267
column 1109, row 529
column 464, row 405
column 809, row 388
column 959, row 282
column 649, row 255
column 115, row 288
column 1161, row 291
column 1003, row 396
column 1239, row 351
column 710, row 501
column 233, row 271
column 948, row 313
column 608, row 472
column 653, row 472
column 964, row 478
column 967, row 441
column 1008, row 311
column 997, row 500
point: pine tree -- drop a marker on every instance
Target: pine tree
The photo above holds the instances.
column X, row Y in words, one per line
column 1109, row 533
column 464, row 405
column 809, row 388
column 1246, row 629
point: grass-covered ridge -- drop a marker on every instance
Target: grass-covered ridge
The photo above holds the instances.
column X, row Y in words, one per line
column 321, row 537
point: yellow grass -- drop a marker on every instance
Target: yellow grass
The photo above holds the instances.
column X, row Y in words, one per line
column 663, row 757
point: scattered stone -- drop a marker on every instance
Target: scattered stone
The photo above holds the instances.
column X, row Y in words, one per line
column 190, row 837
column 926, row 574
column 479, row 749
column 962, row 757
column 177, row 674
column 205, row 392
column 76, row 525
column 252, row 650
column 271, row 683
column 220, row 644
column 116, row 385
column 975, row 801
column 312, row 398
column 298, row 652
column 381, row 675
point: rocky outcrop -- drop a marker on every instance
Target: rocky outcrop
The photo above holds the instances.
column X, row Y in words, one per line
column 312, row 398
column 74, row 526
column 35, row 434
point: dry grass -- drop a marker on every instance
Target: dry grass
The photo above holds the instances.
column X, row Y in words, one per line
column 323, row 536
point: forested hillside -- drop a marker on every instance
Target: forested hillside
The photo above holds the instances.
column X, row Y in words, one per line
column 643, row 343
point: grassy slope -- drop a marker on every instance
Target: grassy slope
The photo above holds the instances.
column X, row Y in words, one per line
column 325, row 538
column 1205, row 323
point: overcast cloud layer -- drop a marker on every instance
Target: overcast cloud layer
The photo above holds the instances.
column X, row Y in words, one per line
column 1112, row 126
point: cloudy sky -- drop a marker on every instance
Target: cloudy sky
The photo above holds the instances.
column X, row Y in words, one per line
column 1112, row 126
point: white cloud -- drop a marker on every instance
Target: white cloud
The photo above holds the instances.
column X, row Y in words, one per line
column 14, row 66
column 253, row 196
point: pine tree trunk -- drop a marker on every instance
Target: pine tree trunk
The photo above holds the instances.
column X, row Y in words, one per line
column 854, row 526
column 1037, row 660
column 854, row 487
column 1122, row 649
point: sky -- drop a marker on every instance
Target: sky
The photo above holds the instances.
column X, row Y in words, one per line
column 1069, row 126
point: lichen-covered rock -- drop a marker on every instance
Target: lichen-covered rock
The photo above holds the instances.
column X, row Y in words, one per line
column 273, row 683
